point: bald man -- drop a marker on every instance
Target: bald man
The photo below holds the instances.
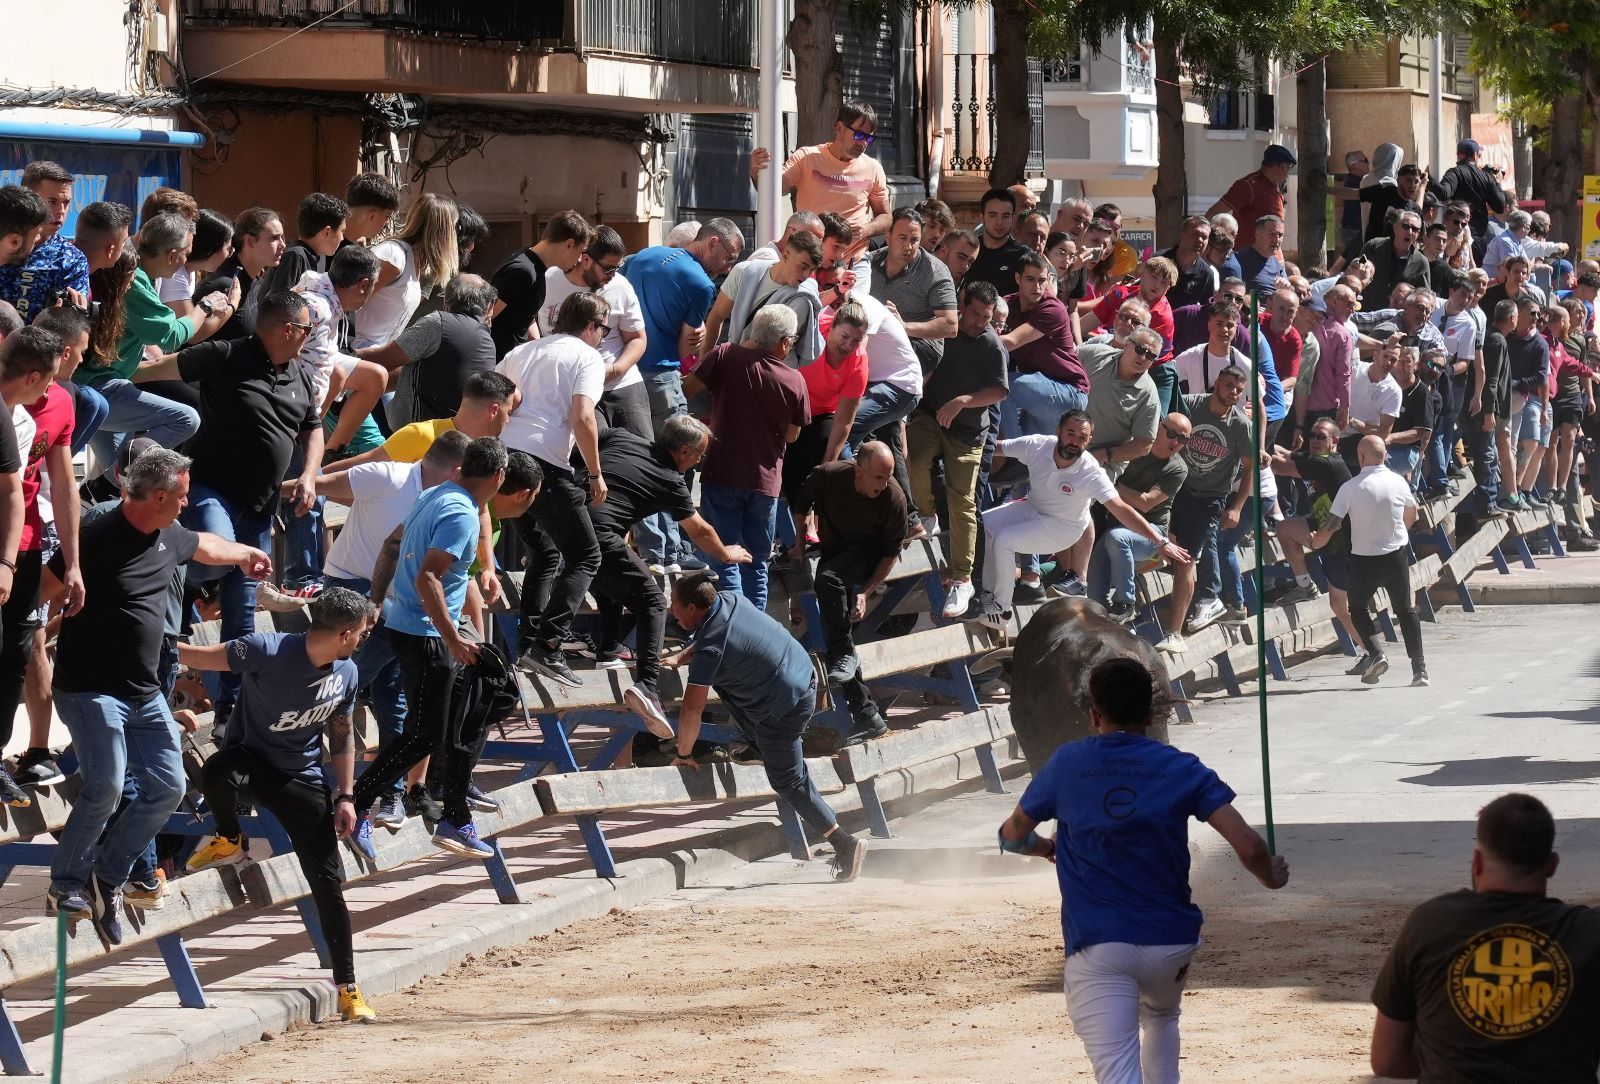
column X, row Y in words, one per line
column 861, row 519
column 1381, row 509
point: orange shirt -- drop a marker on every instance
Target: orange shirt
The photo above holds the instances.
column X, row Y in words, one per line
column 1252, row 196
column 822, row 183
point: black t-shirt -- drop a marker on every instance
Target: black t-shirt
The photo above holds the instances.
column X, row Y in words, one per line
column 243, row 320
column 298, row 258
column 113, row 645
column 10, row 456
column 251, row 414
column 1194, row 285
column 641, row 480
column 997, row 266
column 1325, row 474
column 445, row 349
column 1384, row 198
column 1501, row 987
column 1416, row 408
column 520, row 284
column 846, row 517
column 970, row 364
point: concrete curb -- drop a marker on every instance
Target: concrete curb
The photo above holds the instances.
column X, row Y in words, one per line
column 1514, row 591
column 162, row 1037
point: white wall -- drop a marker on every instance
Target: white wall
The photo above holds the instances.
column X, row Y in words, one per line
column 71, row 43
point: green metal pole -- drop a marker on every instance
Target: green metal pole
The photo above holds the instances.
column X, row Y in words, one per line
column 59, row 1042
column 1258, row 421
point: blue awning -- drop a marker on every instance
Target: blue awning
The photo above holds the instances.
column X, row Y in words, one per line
column 75, row 133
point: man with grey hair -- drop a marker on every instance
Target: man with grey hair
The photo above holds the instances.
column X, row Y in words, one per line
column 646, row 479
column 106, row 686
column 1395, row 259
column 758, row 405
column 437, row 354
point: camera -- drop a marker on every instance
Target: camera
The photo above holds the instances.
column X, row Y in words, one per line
column 63, row 296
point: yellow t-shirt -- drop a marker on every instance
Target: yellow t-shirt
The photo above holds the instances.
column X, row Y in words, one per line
column 411, row 442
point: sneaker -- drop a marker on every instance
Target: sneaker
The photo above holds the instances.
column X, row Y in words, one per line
column 1308, row 592
column 391, row 812
column 1206, row 613
column 690, row 564
column 745, row 753
column 842, row 667
column 958, row 599
column 148, row 895
column 279, row 600
column 72, row 902
column 361, row 839
column 1497, row 510
column 11, row 794
column 869, row 724
column 421, row 802
column 1512, row 503
column 1029, row 593
column 463, row 841
column 1419, row 677
column 930, row 525
column 991, row 615
column 353, row 1007
column 552, row 663
column 1123, row 613
column 1234, row 615
column 1359, row 667
column 576, row 643
column 644, row 703
column 217, row 851
column 662, row 568
column 1379, row 667
column 1577, row 545
column 479, row 800
column 1172, row 643
column 849, row 855
column 108, row 911
column 1073, row 587
column 619, row 657
column 37, row 768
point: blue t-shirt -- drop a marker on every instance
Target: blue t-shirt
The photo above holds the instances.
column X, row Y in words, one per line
column 285, row 701
column 673, row 290
column 1259, row 272
column 444, row 519
column 1272, row 398
column 1121, row 803
column 758, row 669
column 56, row 264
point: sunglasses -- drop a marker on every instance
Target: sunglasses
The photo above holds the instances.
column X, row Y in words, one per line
column 1145, row 352
column 1320, row 436
column 301, row 327
column 863, row 137
column 608, row 269
column 1176, row 438
column 605, row 328
column 1409, row 227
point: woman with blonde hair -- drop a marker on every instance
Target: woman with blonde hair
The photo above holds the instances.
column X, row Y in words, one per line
column 423, row 256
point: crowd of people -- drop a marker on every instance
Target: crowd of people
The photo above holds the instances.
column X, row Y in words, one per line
column 1057, row 408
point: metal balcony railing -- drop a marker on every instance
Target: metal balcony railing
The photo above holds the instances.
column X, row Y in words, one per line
column 972, row 105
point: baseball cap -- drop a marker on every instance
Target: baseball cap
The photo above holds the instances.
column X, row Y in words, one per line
column 1468, row 146
column 1385, row 329
column 1563, row 268
column 133, row 450
column 1278, row 155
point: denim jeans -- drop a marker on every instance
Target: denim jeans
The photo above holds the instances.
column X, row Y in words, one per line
column 658, row 536
column 1402, row 459
column 745, row 518
column 1034, row 405
column 89, row 410
column 1485, row 466
column 212, row 512
column 784, row 760
column 379, row 672
column 1230, row 579
column 132, row 410
column 113, row 739
column 1115, row 562
column 883, row 407
column 304, row 540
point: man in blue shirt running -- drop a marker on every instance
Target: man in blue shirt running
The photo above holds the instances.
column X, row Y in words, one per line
column 1121, row 802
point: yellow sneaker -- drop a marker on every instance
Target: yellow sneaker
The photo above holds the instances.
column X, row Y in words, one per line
column 216, row 851
column 353, row 1007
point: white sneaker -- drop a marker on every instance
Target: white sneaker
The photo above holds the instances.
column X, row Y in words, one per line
column 957, row 599
column 991, row 615
column 1172, row 643
column 930, row 525
column 1205, row 614
column 647, row 706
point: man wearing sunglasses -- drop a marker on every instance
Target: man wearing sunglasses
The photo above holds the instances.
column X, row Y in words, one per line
column 1396, row 258
column 838, row 176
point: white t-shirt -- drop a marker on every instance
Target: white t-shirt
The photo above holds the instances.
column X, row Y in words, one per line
column 1460, row 332
column 320, row 354
column 1368, row 401
column 625, row 315
column 387, row 312
column 178, row 286
column 384, row 494
column 550, row 371
column 890, row 358
column 1197, row 367
column 1063, row 493
column 26, row 429
column 1374, row 501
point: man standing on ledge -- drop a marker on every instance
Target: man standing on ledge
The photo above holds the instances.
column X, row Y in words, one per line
column 765, row 679
column 838, row 176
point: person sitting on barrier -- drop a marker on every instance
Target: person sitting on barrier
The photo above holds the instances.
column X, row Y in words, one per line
column 1149, row 484
column 295, row 687
column 107, row 691
column 765, row 680
column 426, row 561
column 1062, row 481
column 645, row 479
column 861, row 518
column 1121, row 801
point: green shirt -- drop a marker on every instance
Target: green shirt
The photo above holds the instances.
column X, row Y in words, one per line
column 146, row 322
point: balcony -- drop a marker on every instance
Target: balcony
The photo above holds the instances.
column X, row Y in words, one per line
column 644, row 56
column 1100, row 115
column 972, row 108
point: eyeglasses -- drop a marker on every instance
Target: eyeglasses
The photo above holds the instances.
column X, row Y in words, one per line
column 863, row 137
column 300, row 327
column 1175, row 437
column 1318, row 435
column 608, row 269
column 605, row 328
column 1144, row 352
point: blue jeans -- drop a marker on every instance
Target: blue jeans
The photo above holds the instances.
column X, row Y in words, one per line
column 130, row 410
column 1225, row 576
column 658, row 536
column 1034, row 405
column 210, row 511
column 379, row 671
column 1402, row 459
column 1114, row 563
column 883, row 407
column 89, row 410
column 778, row 740
column 114, row 740
column 304, row 540
column 745, row 518
column 1485, row 466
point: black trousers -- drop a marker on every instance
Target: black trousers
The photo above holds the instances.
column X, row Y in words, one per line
column 563, row 555
column 1391, row 572
column 625, row 583
column 235, row 775
column 428, row 672
column 16, row 636
column 840, row 574
column 804, row 455
column 628, row 408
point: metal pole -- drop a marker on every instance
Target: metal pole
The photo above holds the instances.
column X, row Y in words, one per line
column 1257, row 426
column 1436, row 109
column 769, row 118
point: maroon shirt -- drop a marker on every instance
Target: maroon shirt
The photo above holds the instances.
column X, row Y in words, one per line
column 1053, row 353
column 755, row 398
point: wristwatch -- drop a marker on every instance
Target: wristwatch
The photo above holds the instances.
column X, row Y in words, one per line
column 206, row 306
column 351, row 798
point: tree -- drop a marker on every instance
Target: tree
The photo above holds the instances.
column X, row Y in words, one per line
column 818, row 71
column 1311, row 116
column 1013, row 122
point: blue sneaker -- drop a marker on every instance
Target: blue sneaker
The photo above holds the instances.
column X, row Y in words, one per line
column 361, row 838
column 108, row 913
column 463, row 841
column 72, row 902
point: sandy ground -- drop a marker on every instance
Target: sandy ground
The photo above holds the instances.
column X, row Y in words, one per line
column 942, row 964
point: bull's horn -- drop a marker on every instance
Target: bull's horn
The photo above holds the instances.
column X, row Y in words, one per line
column 991, row 660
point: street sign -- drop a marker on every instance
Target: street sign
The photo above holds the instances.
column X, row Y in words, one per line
column 1591, row 217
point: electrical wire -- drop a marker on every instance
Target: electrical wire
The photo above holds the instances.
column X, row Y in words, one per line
column 296, row 33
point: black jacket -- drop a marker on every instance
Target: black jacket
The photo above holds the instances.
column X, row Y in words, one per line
column 1468, row 181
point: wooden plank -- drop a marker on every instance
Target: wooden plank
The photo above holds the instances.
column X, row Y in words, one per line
column 209, row 633
column 1530, row 522
column 334, row 515
column 1208, row 643
column 920, row 650
column 1432, row 513
column 1468, row 555
column 48, row 813
column 901, row 749
column 650, row 788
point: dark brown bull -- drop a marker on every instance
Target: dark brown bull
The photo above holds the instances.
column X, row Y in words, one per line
column 1050, row 664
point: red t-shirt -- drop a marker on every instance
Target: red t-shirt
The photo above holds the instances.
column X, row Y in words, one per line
column 54, row 416
column 1251, row 197
column 1053, row 353
column 827, row 385
column 755, row 398
column 1285, row 348
column 1160, row 316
